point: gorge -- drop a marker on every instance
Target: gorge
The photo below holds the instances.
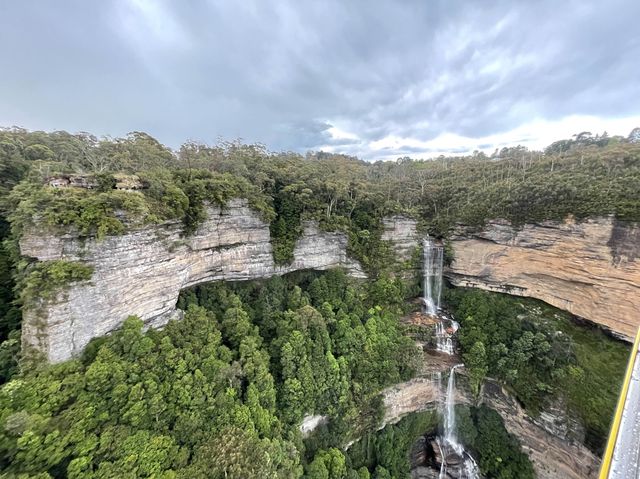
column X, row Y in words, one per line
column 273, row 304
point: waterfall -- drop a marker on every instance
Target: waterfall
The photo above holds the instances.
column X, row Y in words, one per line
column 468, row 469
column 450, row 411
column 432, row 275
column 444, row 343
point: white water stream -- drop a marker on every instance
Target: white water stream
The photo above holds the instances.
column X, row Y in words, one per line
column 433, row 257
column 432, row 275
column 464, row 467
column 448, row 444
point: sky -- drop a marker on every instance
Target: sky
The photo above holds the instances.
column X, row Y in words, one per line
column 376, row 79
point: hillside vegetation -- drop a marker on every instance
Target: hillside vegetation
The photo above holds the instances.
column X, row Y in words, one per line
column 542, row 356
column 219, row 394
column 222, row 393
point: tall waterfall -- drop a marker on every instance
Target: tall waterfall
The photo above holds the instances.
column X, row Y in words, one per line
column 432, row 275
column 449, row 445
column 449, row 407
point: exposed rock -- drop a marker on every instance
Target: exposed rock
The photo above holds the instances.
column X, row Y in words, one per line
column 310, row 423
column 403, row 234
column 77, row 181
column 418, row 394
column 128, row 182
column 588, row 268
column 142, row 272
column 122, row 181
column 552, row 450
column 423, row 472
column 552, row 457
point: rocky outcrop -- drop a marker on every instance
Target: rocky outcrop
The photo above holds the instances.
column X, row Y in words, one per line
column 553, row 455
column 402, row 232
column 590, row 269
column 417, row 395
column 552, row 450
column 142, row 272
column 311, row 422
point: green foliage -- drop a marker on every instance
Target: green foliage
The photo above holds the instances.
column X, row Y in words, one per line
column 497, row 452
column 89, row 212
column 48, row 277
column 496, row 339
column 591, row 384
column 314, row 326
column 218, row 394
column 203, row 186
column 385, row 453
column 10, row 314
column 542, row 355
column 475, row 361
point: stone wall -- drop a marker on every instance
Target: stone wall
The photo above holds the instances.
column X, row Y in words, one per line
column 142, row 272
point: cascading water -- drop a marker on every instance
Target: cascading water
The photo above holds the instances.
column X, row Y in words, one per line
column 432, row 275
column 444, row 343
column 449, row 445
column 432, row 285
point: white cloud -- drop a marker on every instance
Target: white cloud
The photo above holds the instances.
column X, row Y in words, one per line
column 535, row 135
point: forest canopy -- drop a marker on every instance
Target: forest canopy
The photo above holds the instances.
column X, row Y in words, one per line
column 220, row 393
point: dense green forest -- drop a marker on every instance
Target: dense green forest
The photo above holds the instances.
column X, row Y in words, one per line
column 221, row 392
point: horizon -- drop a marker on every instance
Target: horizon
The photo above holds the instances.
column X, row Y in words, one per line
column 377, row 82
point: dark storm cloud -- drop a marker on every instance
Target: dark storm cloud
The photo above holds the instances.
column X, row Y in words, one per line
column 307, row 75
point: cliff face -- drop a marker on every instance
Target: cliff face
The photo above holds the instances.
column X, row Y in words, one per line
column 553, row 450
column 402, row 232
column 142, row 272
column 591, row 269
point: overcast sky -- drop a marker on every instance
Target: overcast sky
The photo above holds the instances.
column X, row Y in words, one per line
column 378, row 79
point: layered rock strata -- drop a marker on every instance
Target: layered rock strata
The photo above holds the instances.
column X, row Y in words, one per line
column 142, row 272
column 590, row 269
column 402, row 232
column 553, row 456
column 552, row 451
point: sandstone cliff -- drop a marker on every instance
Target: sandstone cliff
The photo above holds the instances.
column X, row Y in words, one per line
column 591, row 268
column 552, row 450
column 554, row 454
column 402, row 232
column 142, row 272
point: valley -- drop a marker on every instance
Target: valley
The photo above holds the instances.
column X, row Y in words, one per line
column 255, row 314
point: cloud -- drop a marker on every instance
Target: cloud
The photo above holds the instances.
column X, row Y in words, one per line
column 374, row 79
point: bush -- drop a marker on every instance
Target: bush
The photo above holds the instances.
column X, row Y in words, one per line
column 48, row 277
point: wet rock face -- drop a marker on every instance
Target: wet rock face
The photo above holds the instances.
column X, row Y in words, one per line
column 142, row 272
column 590, row 269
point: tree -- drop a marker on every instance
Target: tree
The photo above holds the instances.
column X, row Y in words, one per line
column 634, row 136
column 476, row 363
